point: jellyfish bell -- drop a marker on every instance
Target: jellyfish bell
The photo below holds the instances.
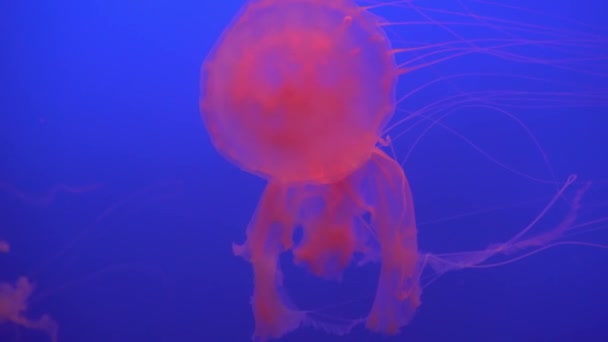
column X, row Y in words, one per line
column 299, row 91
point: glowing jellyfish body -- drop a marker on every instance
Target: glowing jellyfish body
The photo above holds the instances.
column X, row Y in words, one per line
column 298, row 93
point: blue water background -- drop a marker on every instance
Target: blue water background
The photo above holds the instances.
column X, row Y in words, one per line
column 106, row 93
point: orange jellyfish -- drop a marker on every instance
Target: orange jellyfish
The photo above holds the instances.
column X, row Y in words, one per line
column 298, row 93
column 13, row 304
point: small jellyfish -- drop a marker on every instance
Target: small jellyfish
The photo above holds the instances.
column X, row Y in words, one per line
column 14, row 305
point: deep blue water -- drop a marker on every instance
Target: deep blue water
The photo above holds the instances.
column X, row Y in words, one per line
column 102, row 96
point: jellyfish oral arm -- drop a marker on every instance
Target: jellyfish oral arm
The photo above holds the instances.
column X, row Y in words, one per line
column 330, row 239
column 268, row 235
column 13, row 307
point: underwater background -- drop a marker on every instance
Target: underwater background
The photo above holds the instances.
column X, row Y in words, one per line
column 118, row 207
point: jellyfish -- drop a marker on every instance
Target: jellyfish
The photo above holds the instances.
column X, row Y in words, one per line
column 301, row 103
column 14, row 304
column 300, row 93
